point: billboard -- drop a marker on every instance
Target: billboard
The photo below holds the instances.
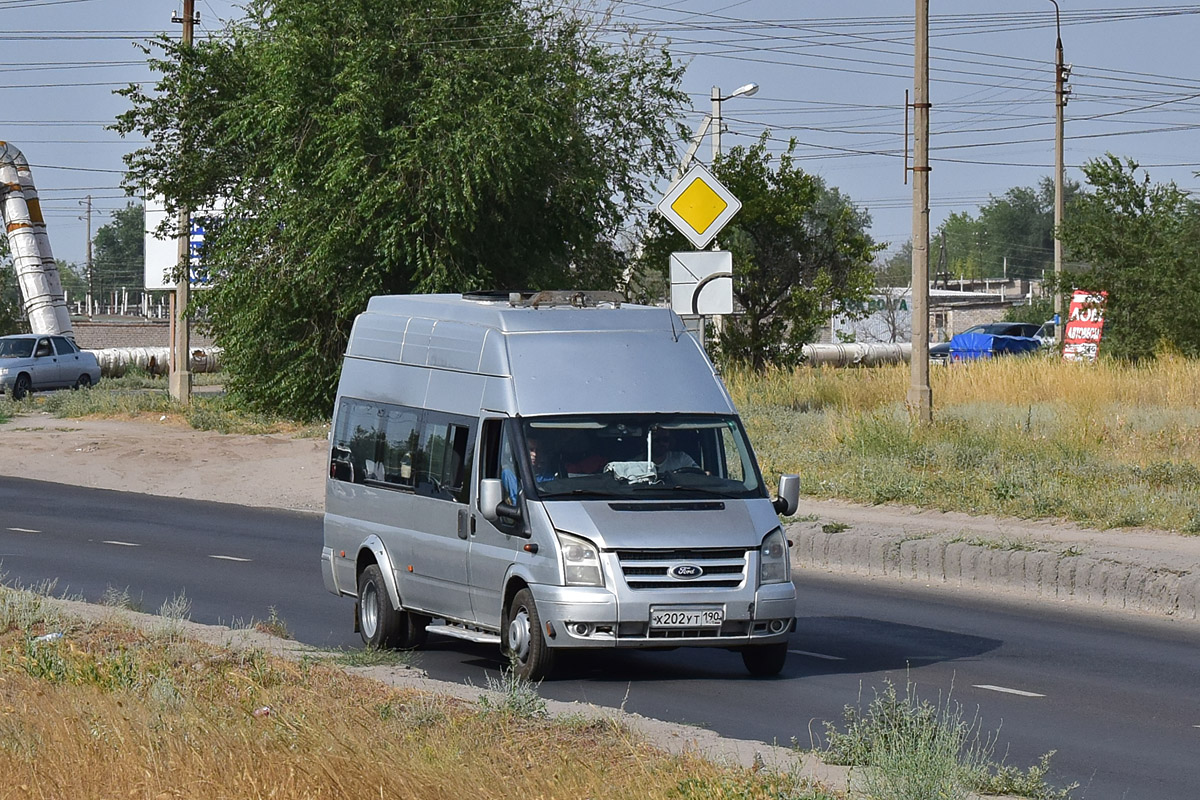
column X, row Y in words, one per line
column 1085, row 325
column 163, row 254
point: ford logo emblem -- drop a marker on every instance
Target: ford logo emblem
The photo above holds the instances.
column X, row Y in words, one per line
column 686, row 572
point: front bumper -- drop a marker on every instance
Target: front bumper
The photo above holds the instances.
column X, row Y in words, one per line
column 585, row 617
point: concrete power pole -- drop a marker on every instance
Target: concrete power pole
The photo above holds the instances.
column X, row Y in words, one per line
column 920, row 394
column 89, row 256
column 181, row 374
column 1061, row 72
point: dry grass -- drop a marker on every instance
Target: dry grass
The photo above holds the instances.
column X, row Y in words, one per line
column 1113, row 445
column 107, row 711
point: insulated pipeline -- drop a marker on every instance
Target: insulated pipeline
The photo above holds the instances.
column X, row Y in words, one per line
column 37, row 273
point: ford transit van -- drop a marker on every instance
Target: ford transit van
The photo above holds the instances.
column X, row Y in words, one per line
column 549, row 472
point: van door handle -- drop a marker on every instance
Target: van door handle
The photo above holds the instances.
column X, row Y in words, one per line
column 464, row 523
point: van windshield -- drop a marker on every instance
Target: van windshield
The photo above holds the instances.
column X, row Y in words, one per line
column 642, row 456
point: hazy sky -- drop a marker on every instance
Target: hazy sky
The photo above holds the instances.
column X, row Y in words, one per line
column 832, row 76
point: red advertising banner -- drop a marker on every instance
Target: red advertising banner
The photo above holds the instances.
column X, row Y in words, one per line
column 1085, row 324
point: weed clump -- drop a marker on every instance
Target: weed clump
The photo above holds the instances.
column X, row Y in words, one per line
column 906, row 748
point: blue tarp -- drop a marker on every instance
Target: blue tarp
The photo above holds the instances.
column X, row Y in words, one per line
column 968, row 346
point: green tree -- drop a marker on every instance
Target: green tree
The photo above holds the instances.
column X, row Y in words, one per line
column 1140, row 242
column 392, row 146
column 800, row 254
column 896, row 270
column 118, row 248
column 12, row 319
column 1012, row 235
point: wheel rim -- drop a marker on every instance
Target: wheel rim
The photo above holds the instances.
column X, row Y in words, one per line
column 368, row 610
column 518, row 634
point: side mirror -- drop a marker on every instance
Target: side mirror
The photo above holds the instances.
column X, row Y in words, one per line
column 789, row 495
column 491, row 493
column 491, row 501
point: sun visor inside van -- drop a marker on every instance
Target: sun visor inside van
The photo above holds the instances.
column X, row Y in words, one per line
column 612, row 371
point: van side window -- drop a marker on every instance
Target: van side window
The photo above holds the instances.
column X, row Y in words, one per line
column 355, row 440
column 401, row 459
column 445, row 455
column 398, row 447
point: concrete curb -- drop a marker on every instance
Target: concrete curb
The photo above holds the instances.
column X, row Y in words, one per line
column 1053, row 571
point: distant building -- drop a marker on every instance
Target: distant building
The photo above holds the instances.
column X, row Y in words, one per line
column 887, row 314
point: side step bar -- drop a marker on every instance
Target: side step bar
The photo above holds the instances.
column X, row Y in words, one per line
column 470, row 634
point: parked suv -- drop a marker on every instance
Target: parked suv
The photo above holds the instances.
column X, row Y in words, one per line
column 35, row 362
column 1044, row 333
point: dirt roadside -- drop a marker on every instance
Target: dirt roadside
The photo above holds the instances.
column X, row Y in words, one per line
column 1139, row 571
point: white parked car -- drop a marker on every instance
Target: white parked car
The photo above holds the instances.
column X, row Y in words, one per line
column 35, row 362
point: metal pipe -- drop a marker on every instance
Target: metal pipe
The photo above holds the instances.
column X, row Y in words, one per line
column 857, row 355
column 37, row 272
column 116, row 361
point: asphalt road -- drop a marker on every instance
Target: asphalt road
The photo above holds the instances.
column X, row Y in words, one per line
column 1117, row 697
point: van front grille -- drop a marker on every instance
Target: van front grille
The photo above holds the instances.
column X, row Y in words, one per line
column 668, row 569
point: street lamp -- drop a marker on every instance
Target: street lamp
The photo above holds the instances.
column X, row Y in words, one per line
column 714, row 120
column 742, row 91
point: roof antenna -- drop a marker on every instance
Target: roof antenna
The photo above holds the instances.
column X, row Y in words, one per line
column 671, row 316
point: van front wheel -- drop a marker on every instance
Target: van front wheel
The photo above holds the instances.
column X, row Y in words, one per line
column 524, row 641
column 381, row 625
column 764, row 660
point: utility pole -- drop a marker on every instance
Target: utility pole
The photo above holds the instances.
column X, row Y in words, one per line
column 716, row 123
column 181, row 374
column 1061, row 73
column 89, row 256
column 920, row 394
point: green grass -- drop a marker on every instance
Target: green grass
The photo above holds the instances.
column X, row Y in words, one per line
column 135, row 395
column 906, row 748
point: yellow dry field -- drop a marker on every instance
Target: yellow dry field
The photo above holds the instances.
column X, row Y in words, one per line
column 107, row 711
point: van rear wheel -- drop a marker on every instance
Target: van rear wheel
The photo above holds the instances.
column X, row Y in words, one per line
column 381, row 625
column 524, row 641
column 765, row 660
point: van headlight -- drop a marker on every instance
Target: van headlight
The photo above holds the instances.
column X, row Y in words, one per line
column 581, row 561
column 773, row 566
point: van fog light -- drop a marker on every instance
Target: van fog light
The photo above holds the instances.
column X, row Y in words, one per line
column 581, row 629
column 777, row 625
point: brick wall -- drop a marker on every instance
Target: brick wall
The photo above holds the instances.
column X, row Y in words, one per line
column 97, row 334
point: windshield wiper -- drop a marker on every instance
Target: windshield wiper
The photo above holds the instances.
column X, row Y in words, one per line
column 576, row 493
column 660, row 487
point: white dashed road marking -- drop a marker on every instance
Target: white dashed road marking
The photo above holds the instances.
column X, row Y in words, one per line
column 1006, row 690
column 121, row 544
column 23, row 530
column 231, row 558
column 816, row 655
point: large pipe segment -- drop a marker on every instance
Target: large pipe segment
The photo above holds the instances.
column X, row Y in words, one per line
column 37, row 272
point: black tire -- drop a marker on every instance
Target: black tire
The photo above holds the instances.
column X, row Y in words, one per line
column 381, row 625
column 524, row 641
column 22, row 388
column 765, row 660
column 84, row 382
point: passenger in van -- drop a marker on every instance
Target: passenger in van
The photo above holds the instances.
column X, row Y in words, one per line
column 666, row 455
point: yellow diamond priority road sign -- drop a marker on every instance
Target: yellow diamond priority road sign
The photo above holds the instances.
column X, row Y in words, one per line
column 699, row 206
